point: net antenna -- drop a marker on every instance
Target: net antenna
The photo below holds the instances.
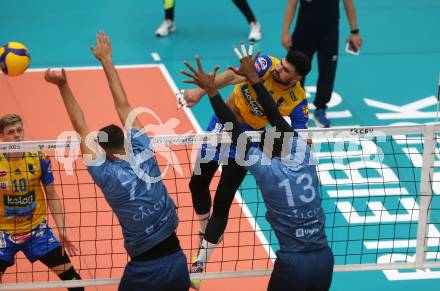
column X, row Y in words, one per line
column 438, row 99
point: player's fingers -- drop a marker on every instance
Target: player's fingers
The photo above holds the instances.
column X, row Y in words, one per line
column 237, row 52
column 98, row 40
column 243, row 49
column 190, row 82
column 234, row 70
column 186, row 74
column 199, row 64
column 188, row 65
column 251, row 48
column 63, row 73
column 215, row 70
column 257, row 55
column 107, row 39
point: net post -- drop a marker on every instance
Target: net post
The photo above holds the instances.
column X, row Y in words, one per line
column 425, row 193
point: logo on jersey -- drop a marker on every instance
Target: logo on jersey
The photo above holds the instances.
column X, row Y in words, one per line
column 19, row 205
column 292, row 95
column 306, row 110
column 252, row 104
column 3, row 173
column 4, row 186
column 17, row 171
column 257, row 67
column 263, row 63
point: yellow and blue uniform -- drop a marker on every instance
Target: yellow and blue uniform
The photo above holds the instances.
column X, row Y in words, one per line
column 291, row 102
column 23, row 207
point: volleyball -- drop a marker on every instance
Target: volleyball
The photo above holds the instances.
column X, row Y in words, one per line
column 14, row 58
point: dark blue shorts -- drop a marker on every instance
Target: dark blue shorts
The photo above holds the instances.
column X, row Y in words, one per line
column 34, row 244
column 169, row 273
column 311, row 271
column 216, row 152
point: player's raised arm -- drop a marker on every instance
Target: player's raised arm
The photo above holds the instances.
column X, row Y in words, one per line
column 75, row 112
column 103, row 53
column 226, row 78
column 206, row 81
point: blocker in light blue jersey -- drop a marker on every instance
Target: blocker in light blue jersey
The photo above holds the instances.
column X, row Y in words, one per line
column 291, row 192
column 144, row 209
column 290, row 189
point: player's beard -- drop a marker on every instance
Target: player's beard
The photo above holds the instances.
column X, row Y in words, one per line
column 276, row 78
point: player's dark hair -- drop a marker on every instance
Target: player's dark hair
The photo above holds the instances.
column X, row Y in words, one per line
column 277, row 144
column 114, row 140
column 277, row 149
column 300, row 61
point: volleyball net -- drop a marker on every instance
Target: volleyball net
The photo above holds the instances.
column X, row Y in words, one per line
column 380, row 188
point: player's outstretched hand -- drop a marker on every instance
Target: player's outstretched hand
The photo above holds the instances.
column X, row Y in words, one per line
column 57, row 78
column 247, row 63
column 103, row 49
column 205, row 81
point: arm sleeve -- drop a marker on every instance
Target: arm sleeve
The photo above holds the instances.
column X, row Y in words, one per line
column 225, row 115
column 300, row 115
column 265, row 99
column 46, row 170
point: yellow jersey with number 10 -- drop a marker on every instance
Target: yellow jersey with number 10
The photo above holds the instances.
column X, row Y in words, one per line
column 22, row 199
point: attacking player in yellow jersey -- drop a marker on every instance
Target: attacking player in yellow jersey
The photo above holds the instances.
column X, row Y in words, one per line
column 282, row 79
column 26, row 190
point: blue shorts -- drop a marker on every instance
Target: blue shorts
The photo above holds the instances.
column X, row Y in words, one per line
column 303, row 271
column 216, row 152
column 34, row 244
column 169, row 273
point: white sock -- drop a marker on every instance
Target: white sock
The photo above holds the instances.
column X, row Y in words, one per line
column 203, row 218
column 206, row 250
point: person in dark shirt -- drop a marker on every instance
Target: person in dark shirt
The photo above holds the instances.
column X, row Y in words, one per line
column 317, row 31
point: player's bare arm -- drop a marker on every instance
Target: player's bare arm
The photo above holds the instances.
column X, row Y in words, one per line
column 74, row 111
column 354, row 36
column 286, row 38
column 226, row 78
column 57, row 211
column 103, row 53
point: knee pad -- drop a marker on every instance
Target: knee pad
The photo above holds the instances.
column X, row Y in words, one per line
column 71, row 274
column 55, row 258
column 199, row 183
column 3, row 266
